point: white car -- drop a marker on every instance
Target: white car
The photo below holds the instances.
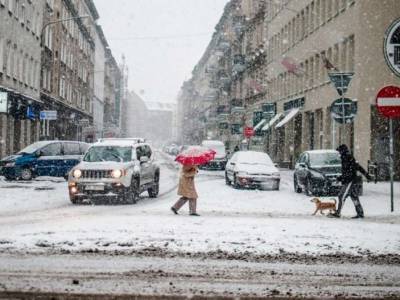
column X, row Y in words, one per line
column 219, row 161
column 252, row 169
column 115, row 170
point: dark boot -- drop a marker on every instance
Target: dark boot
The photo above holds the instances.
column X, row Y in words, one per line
column 334, row 215
column 360, row 211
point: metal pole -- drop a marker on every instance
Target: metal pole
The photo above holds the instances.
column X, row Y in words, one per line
column 391, row 164
column 343, row 111
column 333, row 133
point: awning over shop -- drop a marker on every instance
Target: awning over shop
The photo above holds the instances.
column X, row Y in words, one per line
column 271, row 122
column 261, row 123
column 290, row 115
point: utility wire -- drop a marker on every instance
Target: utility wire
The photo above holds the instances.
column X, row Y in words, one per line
column 165, row 37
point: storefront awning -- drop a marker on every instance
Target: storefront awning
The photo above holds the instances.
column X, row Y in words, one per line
column 261, row 123
column 290, row 115
column 271, row 122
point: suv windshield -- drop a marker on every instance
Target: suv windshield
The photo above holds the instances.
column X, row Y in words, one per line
column 108, row 153
column 324, row 159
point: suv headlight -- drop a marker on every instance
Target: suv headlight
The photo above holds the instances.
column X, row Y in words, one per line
column 77, row 173
column 10, row 164
column 117, row 173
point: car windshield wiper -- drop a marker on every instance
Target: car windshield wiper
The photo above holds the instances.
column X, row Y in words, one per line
column 117, row 156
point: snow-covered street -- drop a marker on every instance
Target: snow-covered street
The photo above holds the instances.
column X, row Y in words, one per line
column 37, row 219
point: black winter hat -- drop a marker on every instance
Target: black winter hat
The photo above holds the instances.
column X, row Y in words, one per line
column 342, row 149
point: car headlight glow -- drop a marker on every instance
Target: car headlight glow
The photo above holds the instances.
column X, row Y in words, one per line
column 10, row 164
column 116, row 174
column 77, row 173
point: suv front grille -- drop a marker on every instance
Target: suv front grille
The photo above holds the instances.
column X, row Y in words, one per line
column 332, row 177
column 96, row 174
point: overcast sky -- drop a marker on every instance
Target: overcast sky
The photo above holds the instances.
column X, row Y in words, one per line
column 162, row 40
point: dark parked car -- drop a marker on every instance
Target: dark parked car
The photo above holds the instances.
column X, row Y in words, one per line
column 316, row 173
column 45, row 158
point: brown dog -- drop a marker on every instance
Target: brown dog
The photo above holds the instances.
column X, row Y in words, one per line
column 321, row 206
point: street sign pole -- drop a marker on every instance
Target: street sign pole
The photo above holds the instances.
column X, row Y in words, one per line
column 388, row 104
column 391, row 163
column 333, row 133
column 343, row 110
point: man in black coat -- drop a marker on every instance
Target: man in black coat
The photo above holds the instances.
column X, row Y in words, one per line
column 349, row 181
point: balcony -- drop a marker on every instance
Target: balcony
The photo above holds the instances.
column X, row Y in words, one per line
column 237, row 107
column 223, row 46
column 239, row 64
column 223, row 118
column 211, row 95
column 222, row 109
column 239, row 24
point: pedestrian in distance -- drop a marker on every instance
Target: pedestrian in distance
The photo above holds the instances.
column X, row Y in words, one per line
column 350, row 180
column 187, row 190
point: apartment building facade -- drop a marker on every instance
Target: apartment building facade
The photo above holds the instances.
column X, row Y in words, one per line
column 278, row 64
column 20, row 58
column 68, row 67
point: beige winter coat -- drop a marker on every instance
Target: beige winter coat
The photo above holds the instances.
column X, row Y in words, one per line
column 186, row 186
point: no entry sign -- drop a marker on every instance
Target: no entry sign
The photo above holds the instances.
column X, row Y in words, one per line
column 388, row 101
column 248, row 132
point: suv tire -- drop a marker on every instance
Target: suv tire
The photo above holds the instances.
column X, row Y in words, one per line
column 154, row 190
column 227, row 181
column 26, row 174
column 132, row 194
column 297, row 188
column 308, row 188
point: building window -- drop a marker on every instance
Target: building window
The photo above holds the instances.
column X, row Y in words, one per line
column 48, row 37
column 11, row 6
column 236, row 129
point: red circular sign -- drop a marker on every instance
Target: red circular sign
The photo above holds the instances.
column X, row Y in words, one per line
column 248, row 132
column 388, row 101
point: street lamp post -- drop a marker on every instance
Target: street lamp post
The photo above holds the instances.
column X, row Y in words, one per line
column 58, row 21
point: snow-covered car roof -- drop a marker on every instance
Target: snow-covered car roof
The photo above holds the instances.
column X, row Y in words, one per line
column 37, row 145
column 321, row 151
column 253, row 157
column 116, row 143
column 212, row 142
column 134, row 139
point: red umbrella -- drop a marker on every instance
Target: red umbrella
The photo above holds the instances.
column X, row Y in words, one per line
column 195, row 156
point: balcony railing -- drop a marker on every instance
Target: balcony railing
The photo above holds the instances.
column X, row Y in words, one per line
column 239, row 64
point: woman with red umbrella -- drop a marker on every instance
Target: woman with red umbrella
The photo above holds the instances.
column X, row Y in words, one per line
column 190, row 159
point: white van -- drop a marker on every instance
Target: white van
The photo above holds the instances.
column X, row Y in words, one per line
column 219, row 162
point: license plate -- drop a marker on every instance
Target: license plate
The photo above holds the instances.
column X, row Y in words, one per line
column 95, row 188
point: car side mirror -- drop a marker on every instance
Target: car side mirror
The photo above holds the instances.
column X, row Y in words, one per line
column 303, row 165
column 38, row 153
column 232, row 163
column 144, row 159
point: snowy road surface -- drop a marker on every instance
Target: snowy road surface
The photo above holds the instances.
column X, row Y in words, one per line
column 268, row 229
